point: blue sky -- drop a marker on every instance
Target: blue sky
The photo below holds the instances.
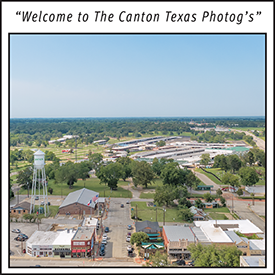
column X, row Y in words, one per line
column 137, row 75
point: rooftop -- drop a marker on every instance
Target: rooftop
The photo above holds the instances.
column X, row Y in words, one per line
column 243, row 226
column 64, row 237
column 42, row 238
column 253, row 260
column 82, row 196
column 175, row 233
column 83, row 234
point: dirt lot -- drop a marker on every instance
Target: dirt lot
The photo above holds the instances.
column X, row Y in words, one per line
column 26, row 228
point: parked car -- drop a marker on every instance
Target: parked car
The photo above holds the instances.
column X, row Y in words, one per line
column 102, row 253
column 23, row 235
column 20, row 238
column 105, row 237
column 129, row 234
column 129, row 247
column 42, row 203
column 127, row 202
column 128, row 239
column 36, row 198
column 16, row 230
column 104, row 241
column 49, row 203
column 107, row 229
column 24, row 250
column 180, row 262
column 129, row 226
column 122, row 205
column 102, row 246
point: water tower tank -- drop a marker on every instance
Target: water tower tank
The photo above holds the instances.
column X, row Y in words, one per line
column 39, row 159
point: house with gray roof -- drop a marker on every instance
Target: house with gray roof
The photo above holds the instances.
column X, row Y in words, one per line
column 151, row 228
column 80, row 202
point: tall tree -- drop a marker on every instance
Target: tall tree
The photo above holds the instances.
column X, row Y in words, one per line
column 172, row 174
column 126, row 167
column 234, row 162
column 205, row 159
column 249, row 176
column 230, row 179
column 66, row 173
column 214, row 255
column 110, row 174
column 95, row 160
column 142, row 173
column 158, row 260
column 185, row 214
column 24, row 178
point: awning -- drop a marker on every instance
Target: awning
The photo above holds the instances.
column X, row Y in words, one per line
column 78, row 250
column 83, row 250
column 73, row 251
column 152, row 235
column 88, row 250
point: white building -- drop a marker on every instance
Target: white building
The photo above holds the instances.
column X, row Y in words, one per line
column 40, row 244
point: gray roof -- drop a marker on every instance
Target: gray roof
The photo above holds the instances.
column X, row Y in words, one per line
column 233, row 236
column 141, row 225
column 82, row 196
column 175, row 233
column 253, row 260
column 200, row 234
column 22, row 205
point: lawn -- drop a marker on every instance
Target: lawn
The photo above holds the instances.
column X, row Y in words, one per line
column 248, row 128
column 217, row 216
column 147, row 195
column 219, row 209
column 149, row 213
column 92, row 184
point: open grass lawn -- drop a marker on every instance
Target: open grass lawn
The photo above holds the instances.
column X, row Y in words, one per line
column 217, row 216
column 154, row 185
column 92, row 184
column 147, row 195
column 219, row 209
column 219, row 173
column 149, row 213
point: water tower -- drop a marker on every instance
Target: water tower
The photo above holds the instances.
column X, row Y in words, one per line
column 39, row 184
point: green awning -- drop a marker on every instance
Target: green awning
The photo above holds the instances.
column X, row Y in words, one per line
column 152, row 235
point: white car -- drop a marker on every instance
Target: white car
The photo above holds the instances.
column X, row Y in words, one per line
column 128, row 238
column 104, row 238
column 104, row 242
column 16, row 230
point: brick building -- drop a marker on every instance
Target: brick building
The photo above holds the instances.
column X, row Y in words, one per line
column 81, row 202
column 20, row 209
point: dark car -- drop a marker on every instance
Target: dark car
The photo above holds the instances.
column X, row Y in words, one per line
column 107, row 229
column 102, row 246
column 49, row 203
column 102, row 253
column 180, row 262
column 129, row 226
column 23, row 235
column 122, row 205
column 20, row 238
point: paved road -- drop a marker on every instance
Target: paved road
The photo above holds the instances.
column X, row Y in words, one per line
column 27, row 262
column 260, row 143
column 117, row 220
column 207, row 181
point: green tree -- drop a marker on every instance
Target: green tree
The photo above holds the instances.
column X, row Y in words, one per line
column 199, row 203
column 95, row 160
column 11, row 192
column 139, row 237
column 165, row 195
column 110, row 174
column 156, row 166
column 239, row 192
column 66, row 173
column 230, row 179
column 208, row 197
column 126, row 167
column 184, row 202
column 160, row 143
column 250, row 157
column 185, row 214
column 223, row 201
column 142, row 173
column 219, row 192
column 205, row 159
column 173, row 175
column 214, row 255
column 234, row 163
column 24, row 178
column 158, row 260
column 248, row 176
column 82, row 171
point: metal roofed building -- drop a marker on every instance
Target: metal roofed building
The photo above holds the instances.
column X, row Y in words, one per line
column 148, row 227
column 243, row 226
column 40, row 244
column 79, row 202
column 252, row 261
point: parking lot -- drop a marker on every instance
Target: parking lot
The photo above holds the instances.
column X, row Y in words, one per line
column 117, row 221
column 25, row 228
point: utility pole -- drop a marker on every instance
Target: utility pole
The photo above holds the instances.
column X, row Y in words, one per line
column 156, row 214
column 164, row 215
column 75, row 150
column 136, row 212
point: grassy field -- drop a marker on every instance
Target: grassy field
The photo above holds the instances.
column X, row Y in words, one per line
column 219, row 173
column 149, row 213
column 219, row 209
column 92, row 184
column 217, row 216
